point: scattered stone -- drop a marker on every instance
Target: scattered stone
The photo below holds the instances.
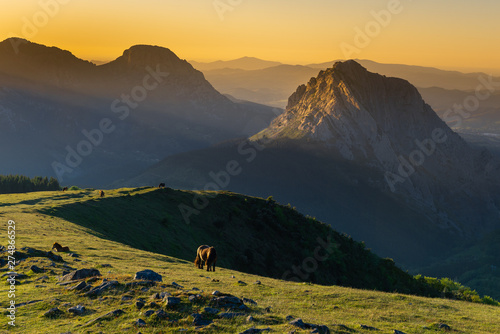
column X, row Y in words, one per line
column 444, row 327
column 195, row 289
column 194, row 298
column 139, row 304
column 249, row 301
column 108, row 316
column 27, row 303
column 257, row 282
column 92, row 280
column 250, row 319
column 322, row 329
column 172, row 301
column 199, row 321
column 161, row 314
column 268, row 309
column 106, row 265
column 17, row 276
column 177, row 285
column 79, row 274
column 211, row 310
column 229, row 302
column 53, row 313
column 140, row 323
column 101, row 288
column 77, row 310
column 154, row 305
column 230, row 315
column 155, row 296
column 44, row 277
column 289, row 318
column 55, row 257
column 254, row 330
column 73, row 255
column 148, row 275
column 214, row 280
column 148, row 313
column 79, row 286
column 145, row 289
column 369, row 328
column 36, row 269
column 165, row 294
column 216, row 293
column 398, row 332
column 232, row 276
column 242, row 283
column 126, row 298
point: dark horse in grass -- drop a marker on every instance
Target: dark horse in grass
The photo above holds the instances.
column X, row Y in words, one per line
column 206, row 255
column 60, row 248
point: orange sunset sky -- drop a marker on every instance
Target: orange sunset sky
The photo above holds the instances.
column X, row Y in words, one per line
column 450, row 34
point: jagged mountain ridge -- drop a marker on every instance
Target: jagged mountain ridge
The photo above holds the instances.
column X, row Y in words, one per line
column 158, row 103
column 384, row 123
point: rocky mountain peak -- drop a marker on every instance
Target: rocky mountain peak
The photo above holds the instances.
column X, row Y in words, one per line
column 381, row 123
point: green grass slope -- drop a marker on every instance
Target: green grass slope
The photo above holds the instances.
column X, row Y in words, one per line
column 124, row 232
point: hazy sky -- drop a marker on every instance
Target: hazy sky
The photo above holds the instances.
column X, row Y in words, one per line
column 441, row 33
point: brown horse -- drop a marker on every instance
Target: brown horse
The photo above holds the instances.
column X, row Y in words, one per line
column 198, row 262
column 60, row 248
column 209, row 255
column 101, row 193
column 65, row 188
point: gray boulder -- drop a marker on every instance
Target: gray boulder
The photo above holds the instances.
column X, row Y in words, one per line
column 77, row 310
column 148, row 275
column 79, row 274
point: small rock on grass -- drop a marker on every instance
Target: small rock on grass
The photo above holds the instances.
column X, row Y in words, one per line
column 148, row 275
column 172, row 301
column 53, row 313
column 77, row 310
column 369, row 328
column 36, row 269
column 444, row 327
column 398, row 332
column 211, row 310
column 254, row 330
column 149, row 313
column 140, row 323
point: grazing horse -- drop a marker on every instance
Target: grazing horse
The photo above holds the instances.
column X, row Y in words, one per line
column 209, row 255
column 60, row 248
column 101, row 193
column 161, row 185
column 198, row 262
column 65, row 188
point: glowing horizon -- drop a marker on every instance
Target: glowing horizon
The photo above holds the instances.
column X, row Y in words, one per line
column 421, row 33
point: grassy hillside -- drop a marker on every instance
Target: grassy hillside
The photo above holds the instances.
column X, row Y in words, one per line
column 99, row 231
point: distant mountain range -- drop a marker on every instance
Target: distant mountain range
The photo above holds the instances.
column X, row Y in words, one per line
column 91, row 125
column 271, row 84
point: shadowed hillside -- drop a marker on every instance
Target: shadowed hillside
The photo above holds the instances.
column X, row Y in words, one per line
column 251, row 234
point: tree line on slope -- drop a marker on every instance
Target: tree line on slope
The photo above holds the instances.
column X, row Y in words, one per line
column 22, row 184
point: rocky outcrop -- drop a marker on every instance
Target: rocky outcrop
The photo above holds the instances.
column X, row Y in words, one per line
column 383, row 124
